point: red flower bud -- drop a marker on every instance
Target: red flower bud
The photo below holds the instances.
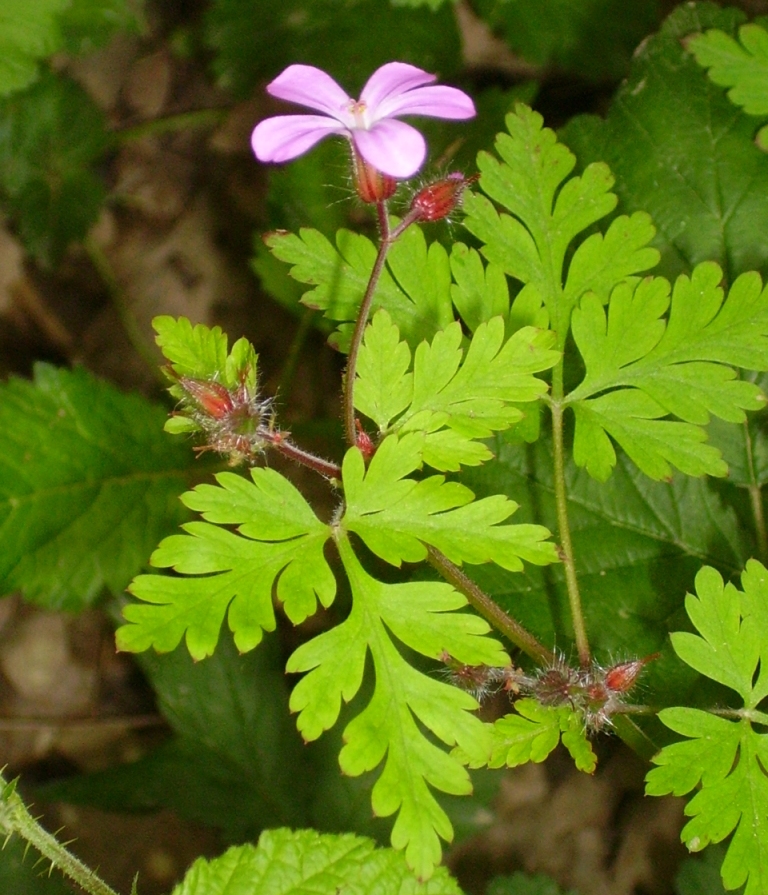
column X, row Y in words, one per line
column 371, row 185
column 363, row 442
column 437, row 200
column 214, row 398
column 621, row 678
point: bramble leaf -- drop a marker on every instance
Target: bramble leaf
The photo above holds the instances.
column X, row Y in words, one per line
column 397, row 517
column 726, row 758
column 453, row 396
column 641, row 368
column 88, row 485
column 421, row 616
column 683, row 153
column 548, row 212
column 51, row 135
column 413, row 288
column 288, row 862
column 531, row 733
column 278, row 538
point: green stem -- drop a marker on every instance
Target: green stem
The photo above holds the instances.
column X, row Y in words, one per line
column 294, row 353
column 564, row 529
column 490, row 610
column 14, row 818
column 172, row 123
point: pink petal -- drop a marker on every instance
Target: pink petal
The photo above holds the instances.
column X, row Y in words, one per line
column 436, row 102
column 285, row 137
column 390, row 80
column 312, row 87
column 393, row 147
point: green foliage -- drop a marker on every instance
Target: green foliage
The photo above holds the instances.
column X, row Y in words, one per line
column 452, row 396
column 640, row 368
column 292, row 863
column 547, row 213
column 412, row 289
column 22, row 873
column 235, row 761
column 726, row 758
column 28, row 32
column 397, row 517
column 87, row 485
column 87, row 25
column 50, row 137
column 278, row 538
column 683, row 153
column 531, row 733
column 420, row 615
column 629, row 534
column 593, row 38
column 254, row 39
column 524, row 884
column 700, row 874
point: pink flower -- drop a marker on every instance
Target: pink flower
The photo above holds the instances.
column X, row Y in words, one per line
column 391, row 146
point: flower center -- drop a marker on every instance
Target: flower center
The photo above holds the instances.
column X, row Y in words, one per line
column 358, row 109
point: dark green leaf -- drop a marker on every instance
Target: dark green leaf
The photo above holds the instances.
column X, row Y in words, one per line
column 255, row 39
column 88, row 483
column 50, row 137
column 525, row 884
column 28, row 32
column 592, row 38
column 87, row 25
column 682, row 152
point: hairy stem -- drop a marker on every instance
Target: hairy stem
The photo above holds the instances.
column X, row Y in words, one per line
column 564, row 529
column 490, row 611
column 14, row 818
column 279, row 441
column 386, row 238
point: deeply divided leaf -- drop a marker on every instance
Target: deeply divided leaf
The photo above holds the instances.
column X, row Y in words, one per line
column 390, row 728
column 641, row 369
column 452, row 395
column 398, row 517
column 725, row 758
column 226, row 573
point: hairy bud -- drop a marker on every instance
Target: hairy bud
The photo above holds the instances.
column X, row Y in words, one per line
column 372, row 186
column 437, row 200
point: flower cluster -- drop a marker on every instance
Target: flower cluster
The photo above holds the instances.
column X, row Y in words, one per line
column 595, row 692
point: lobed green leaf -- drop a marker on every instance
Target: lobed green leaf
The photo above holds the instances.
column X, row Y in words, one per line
column 420, row 615
column 279, row 540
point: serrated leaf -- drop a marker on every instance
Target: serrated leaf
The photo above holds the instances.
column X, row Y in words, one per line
column 740, row 65
column 51, row 135
column 88, row 485
column 641, row 368
column 255, row 40
column 479, row 292
column 287, row 862
column 279, row 539
column 28, row 32
column 235, row 762
column 397, row 516
column 682, row 152
column 413, row 288
column 531, row 733
column 727, row 758
column 421, row 616
column 470, row 392
column 548, row 211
